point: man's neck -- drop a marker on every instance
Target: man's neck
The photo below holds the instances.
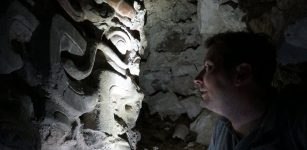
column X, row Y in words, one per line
column 245, row 117
column 244, row 129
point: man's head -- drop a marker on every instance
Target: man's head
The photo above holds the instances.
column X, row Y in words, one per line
column 236, row 63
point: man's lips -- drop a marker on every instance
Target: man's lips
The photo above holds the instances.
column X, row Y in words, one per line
column 203, row 91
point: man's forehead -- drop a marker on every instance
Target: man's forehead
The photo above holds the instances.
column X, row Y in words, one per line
column 208, row 55
column 212, row 56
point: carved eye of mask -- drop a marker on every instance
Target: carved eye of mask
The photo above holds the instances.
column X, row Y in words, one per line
column 121, row 40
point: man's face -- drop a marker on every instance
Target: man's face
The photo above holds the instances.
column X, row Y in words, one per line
column 214, row 85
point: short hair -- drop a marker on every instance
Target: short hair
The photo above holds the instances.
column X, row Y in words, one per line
column 234, row 48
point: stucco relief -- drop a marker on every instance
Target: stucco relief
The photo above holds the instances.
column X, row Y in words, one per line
column 110, row 61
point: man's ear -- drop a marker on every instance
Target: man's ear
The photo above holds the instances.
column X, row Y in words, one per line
column 243, row 74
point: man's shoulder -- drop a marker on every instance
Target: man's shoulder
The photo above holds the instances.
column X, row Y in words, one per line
column 222, row 135
column 222, row 122
column 222, row 127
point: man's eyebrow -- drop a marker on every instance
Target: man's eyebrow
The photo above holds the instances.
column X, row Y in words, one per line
column 207, row 60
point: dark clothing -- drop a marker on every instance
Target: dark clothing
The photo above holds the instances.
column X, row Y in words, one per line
column 280, row 129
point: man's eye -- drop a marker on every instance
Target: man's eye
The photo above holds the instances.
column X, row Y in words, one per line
column 207, row 68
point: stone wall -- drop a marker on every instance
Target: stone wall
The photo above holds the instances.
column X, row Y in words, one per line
column 171, row 61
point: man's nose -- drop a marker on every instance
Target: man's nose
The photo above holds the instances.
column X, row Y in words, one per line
column 197, row 82
column 199, row 79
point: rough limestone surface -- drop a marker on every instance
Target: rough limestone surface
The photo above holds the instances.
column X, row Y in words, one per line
column 173, row 56
column 295, row 39
column 296, row 34
column 166, row 104
column 203, row 126
column 171, row 61
column 219, row 16
column 192, row 106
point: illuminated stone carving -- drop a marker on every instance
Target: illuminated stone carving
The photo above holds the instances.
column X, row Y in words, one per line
column 94, row 77
column 124, row 99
